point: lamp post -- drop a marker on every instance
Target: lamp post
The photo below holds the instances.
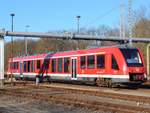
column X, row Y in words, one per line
column 12, row 21
column 26, row 40
column 78, row 29
column 12, row 29
column 78, row 23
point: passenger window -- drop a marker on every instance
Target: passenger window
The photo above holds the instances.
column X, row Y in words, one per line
column 60, row 65
column 46, row 63
column 25, row 66
column 66, row 65
column 14, row 64
column 114, row 64
column 28, row 69
column 90, row 61
column 32, row 66
column 17, row 67
column 53, row 65
column 100, row 61
column 38, row 64
column 83, row 62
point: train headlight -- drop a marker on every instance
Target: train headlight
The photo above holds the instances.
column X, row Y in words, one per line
column 145, row 75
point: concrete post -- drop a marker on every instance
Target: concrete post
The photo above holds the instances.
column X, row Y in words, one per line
column 148, row 60
column 1, row 61
column 37, row 80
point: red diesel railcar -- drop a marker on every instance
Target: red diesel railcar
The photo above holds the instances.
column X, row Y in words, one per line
column 104, row 66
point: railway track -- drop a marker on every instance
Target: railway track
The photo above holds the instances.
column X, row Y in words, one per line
column 90, row 98
column 125, row 93
column 103, row 106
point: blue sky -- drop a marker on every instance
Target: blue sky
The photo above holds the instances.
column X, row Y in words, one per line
column 51, row 15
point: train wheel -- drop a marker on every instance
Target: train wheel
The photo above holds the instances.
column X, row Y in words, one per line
column 103, row 82
column 100, row 82
column 44, row 79
column 110, row 85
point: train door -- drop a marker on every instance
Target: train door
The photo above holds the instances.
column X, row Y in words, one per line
column 114, row 65
column 74, row 68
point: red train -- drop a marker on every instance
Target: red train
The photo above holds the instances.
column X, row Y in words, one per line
column 104, row 66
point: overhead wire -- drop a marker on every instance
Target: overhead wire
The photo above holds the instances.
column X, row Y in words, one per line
column 101, row 16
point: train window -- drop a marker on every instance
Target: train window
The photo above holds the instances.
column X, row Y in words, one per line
column 90, row 61
column 83, row 62
column 100, row 61
column 32, row 66
column 14, row 64
column 53, row 65
column 38, row 64
column 132, row 57
column 60, row 65
column 29, row 66
column 25, row 66
column 46, row 63
column 17, row 65
column 114, row 64
column 66, row 65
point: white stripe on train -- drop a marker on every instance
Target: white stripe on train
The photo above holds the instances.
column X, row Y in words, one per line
column 78, row 75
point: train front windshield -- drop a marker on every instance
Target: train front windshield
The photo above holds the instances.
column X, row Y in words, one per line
column 132, row 57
